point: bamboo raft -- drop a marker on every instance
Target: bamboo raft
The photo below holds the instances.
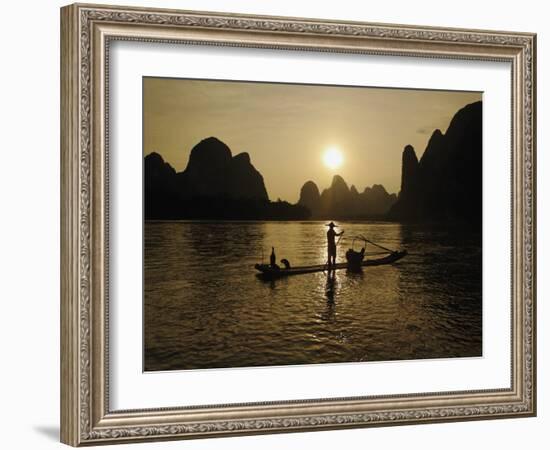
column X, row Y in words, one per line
column 269, row 272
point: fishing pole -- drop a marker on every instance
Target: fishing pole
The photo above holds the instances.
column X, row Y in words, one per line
column 376, row 245
column 340, row 237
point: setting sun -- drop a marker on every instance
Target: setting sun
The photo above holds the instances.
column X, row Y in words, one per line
column 333, row 158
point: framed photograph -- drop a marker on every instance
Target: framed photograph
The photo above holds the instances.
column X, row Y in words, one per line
column 275, row 224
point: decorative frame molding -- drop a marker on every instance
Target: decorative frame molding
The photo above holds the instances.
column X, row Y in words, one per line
column 86, row 31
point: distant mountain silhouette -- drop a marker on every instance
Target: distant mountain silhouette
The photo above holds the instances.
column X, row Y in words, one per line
column 213, row 172
column 214, row 185
column 310, row 197
column 446, row 184
column 340, row 201
column 161, row 198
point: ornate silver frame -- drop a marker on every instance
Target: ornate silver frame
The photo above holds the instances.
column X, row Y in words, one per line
column 86, row 31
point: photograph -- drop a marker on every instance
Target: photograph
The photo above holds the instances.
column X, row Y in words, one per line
column 297, row 224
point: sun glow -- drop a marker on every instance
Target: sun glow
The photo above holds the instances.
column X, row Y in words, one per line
column 333, row 158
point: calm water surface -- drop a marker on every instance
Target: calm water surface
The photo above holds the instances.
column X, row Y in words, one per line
column 205, row 308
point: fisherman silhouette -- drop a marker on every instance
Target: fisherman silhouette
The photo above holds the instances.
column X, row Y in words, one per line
column 331, row 244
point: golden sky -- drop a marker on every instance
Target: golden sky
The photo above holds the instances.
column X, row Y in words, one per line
column 287, row 128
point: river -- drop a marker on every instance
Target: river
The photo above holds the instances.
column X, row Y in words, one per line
column 205, row 308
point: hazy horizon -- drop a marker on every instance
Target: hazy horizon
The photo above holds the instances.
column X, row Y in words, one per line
column 288, row 128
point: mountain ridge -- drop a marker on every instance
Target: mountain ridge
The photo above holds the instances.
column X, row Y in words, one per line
column 445, row 184
column 214, row 185
column 340, row 201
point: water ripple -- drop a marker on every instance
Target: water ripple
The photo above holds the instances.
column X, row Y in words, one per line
column 204, row 307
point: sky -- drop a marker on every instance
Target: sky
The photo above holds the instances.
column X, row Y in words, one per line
column 288, row 128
